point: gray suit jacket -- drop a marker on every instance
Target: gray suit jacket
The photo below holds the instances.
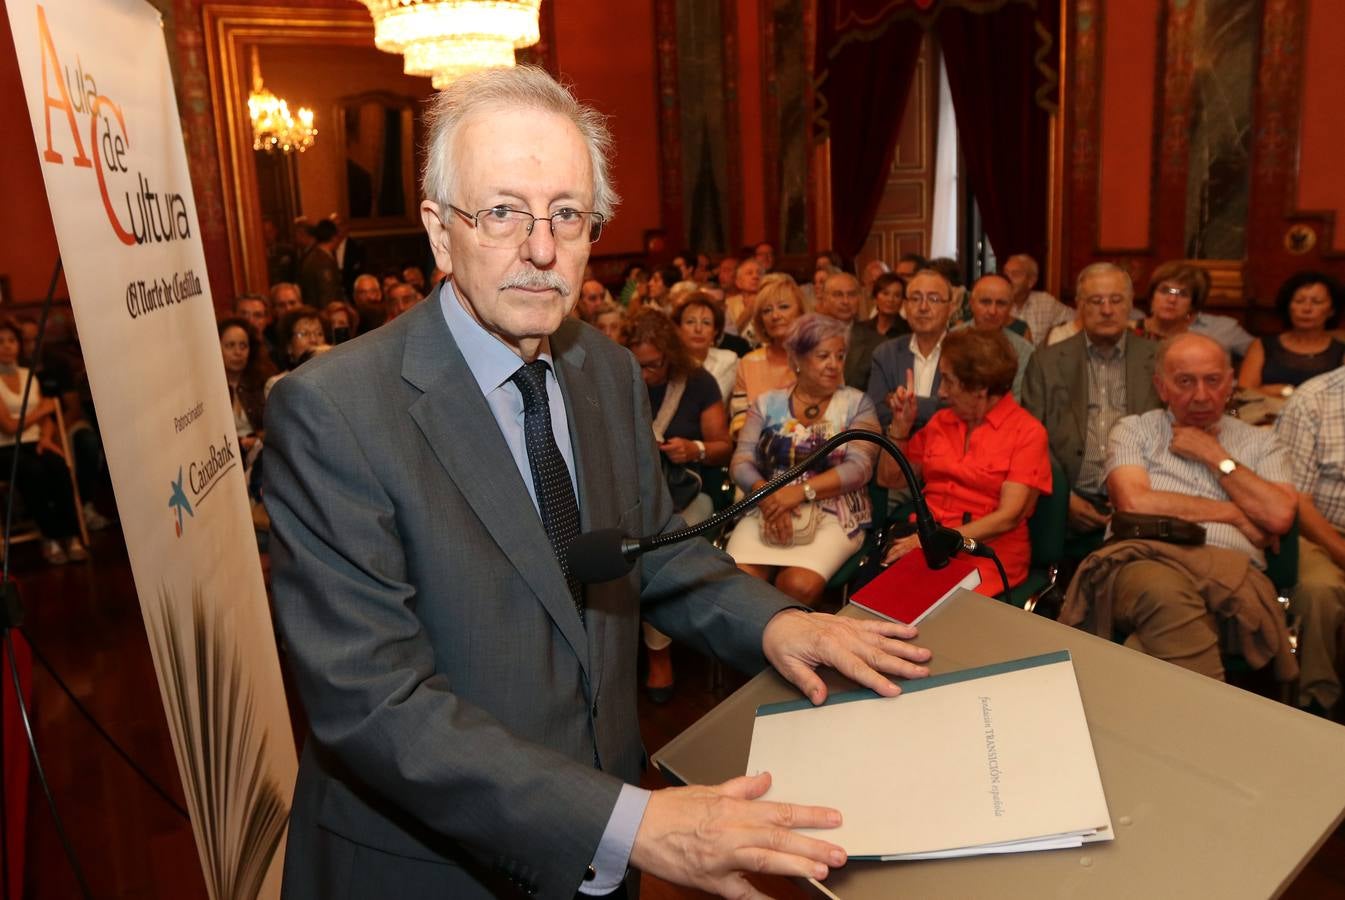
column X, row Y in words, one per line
column 1055, row 390
column 469, row 734
column 864, row 339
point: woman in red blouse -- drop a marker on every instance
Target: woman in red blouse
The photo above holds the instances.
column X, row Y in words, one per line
column 983, row 458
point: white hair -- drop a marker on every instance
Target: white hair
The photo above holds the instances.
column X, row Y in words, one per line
column 1103, row 268
column 521, row 87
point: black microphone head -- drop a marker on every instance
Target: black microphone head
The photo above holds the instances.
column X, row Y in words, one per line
column 940, row 545
column 597, row 556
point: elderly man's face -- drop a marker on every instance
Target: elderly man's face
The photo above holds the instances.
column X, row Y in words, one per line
column 590, row 299
column 368, row 292
column 840, row 298
column 728, row 269
column 873, row 270
column 1021, row 276
column 906, row 268
column 1195, row 381
column 520, row 159
column 928, row 305
column 1104, row 304
column 402, row 298
column 749, row 277
column 286, row 300
column 765, row 255
column 254, row 311
column 991, row 303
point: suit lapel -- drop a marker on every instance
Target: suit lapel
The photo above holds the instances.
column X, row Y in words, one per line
column 1139, row 378
column 478, row 461
column 592, row 462
column 1076, row 373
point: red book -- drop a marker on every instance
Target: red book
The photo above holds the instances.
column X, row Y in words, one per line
column 908, row 590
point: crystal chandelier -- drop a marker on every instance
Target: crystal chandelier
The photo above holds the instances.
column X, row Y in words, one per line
column 445, row 39
column 274, row 129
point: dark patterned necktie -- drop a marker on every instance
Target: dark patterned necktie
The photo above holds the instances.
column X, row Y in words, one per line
column 550, row 476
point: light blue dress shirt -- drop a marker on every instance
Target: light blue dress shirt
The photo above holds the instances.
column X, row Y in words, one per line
column 492, row 364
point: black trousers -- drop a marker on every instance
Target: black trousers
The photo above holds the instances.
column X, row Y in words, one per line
column 43, row 483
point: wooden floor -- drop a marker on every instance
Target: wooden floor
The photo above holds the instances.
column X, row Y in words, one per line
column 86, row 621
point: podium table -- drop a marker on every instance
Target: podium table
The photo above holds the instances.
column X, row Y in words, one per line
column 1213, row 791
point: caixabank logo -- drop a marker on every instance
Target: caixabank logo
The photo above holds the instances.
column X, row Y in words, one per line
column 202, row 475
column 87, row 129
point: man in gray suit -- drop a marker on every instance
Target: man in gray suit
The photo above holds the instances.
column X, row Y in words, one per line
column 473, row 711
column 1080, row 387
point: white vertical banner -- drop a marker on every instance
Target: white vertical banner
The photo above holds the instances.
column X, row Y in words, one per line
column 110, row 145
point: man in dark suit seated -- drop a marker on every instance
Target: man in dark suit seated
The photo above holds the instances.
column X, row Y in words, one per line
column 1080, row 387
column 841, row 299
column 473, row 706
column 928, row 306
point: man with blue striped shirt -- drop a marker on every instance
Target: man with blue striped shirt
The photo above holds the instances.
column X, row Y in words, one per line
column 1192, row 462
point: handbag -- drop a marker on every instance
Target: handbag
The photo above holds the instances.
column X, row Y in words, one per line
column 805, row 525
column 1127, row 526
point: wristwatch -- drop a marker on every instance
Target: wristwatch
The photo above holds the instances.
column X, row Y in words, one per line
column 700, row 450
column 809, row 493
column 1227, row 466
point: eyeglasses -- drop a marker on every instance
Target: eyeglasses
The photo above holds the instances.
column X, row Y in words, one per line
column 503, row 228
column 935, row 299
column 653, row 364
column 1172, row 291
column 309, row 334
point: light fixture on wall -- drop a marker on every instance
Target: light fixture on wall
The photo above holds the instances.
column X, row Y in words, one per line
column 274, row 129
column 445, row 39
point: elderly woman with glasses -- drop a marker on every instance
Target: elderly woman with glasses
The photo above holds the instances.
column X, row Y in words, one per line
column 298, row 333
column 803, row 533
column 983, row 458
column 928, row 306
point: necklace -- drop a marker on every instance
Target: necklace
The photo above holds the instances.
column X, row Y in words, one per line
column 809, row 412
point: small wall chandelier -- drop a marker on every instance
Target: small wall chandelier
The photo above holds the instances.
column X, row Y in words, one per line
column 445, row 39
column 274, row 129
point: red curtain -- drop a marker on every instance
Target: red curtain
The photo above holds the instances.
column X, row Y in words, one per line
column 1002, row 59
column 1002, row 70
column 863, row 77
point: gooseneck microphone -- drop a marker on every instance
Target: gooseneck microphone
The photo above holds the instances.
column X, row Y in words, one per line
column 603, row 555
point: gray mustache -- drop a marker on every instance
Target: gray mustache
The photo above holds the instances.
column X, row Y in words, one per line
column 534, row 279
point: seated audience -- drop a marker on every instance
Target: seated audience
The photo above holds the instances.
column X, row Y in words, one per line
column 1176, row 299
column 800, row 535
column 610, row 319
column 686, row 268
column 42, row 478
column 340, row 322
column 767, row 368
column 661, row 282
column 1038, row 309
column 691, row 429
column 908, row 264
column 725, row 273
column 246, row 371
column 369, row 300
column 256, row 310
column 634, row 287
column 841, row 299
column 1312, row 430
column 741, row 302
column 592, row 295
column 889, row 294
column 765, row 254
column 401, row 299
column 297, row 332
column 951, row 269
column 1082, row 386
column 872, row 270
column 1191, row 462
column 698, row 320
column 982, row 458
column 319, row 276
column 992, row 310
column 1308, row 303
column 928, row 307
column 415, row 276
column 811, row 292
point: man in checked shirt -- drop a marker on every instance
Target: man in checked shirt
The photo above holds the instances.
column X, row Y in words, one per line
column 1312, row 429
